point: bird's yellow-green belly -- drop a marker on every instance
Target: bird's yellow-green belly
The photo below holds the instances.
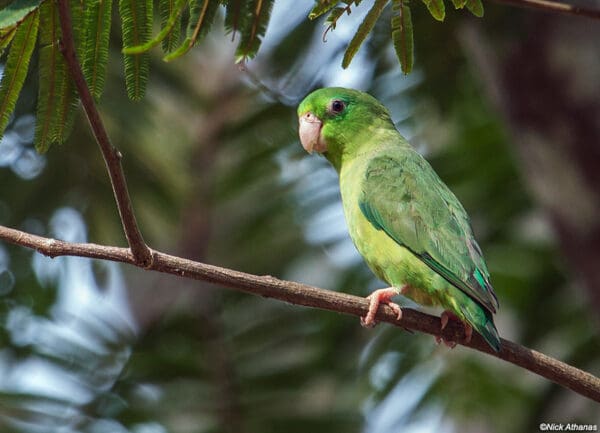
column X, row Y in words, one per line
column 395, row 264
column 390, row 261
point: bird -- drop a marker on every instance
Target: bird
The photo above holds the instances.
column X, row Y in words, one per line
column 409, row 227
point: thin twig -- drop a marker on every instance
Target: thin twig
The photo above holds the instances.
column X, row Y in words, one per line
column 551, row 6
column 563, row 374
column 112, row 157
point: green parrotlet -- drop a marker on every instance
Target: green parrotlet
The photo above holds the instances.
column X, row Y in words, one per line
column 410, row 228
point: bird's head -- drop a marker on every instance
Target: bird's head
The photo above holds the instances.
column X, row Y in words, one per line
column 335, row 120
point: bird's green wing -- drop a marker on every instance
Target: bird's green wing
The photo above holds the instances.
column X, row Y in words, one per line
column 405, row 198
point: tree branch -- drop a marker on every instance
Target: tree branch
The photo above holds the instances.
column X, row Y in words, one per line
column 551, row 6
column 112, row 157
column 300, row 294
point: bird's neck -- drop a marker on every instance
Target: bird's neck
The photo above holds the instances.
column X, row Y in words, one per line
column 351, row 145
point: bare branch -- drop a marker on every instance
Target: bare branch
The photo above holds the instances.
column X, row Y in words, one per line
column 551, row 6
column 300, row 294
column 112, row 157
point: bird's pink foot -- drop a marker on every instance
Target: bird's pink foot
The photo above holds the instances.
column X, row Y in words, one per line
column 446, row 316
column 381, row 296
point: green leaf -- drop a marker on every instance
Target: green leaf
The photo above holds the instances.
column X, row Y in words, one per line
column 402, row 34
column 233, row 13
column 334, row 16
column 16, row 66
column 57, row 96
column 52, row 72
column 136, row 25
column 322, row 7
column 363, row 30
column 167, row 10
column 97, row 19
column 459, row 4
column 252, row 28
column 15, row 12
column 436, row 9
column 6, row 36
column 202, row 16
column 475, row 7
column 174, row 19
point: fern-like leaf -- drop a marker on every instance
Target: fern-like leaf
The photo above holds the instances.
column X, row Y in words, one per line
column 321, row 8
column 15, row 12
column 68, row 100
column 436, row 9
column 202, row 16
column 172, row 21
column 252, row 28
column 363, row 30
column 57, row 96
column 6, row 37
column 96, row 28
column 136, row 24
column 402, row 34
column 233, row 13
column 170, row 17
column 459, row 4
column 16, row 66
column 475, row 7
column 52, row 73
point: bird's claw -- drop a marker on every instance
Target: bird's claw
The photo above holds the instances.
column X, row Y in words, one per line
column 381, row 296
column 445, row 317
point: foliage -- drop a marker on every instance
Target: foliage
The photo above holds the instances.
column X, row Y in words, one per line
column 92, row 25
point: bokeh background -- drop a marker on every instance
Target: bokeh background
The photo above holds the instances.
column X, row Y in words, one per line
column 506, row 108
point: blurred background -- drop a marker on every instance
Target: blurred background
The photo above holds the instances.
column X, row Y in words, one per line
column 507, row 110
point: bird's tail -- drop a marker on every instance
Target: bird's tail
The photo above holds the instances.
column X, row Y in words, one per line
column 482, row 321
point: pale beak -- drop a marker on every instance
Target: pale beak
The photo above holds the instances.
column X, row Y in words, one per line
column 310, row 133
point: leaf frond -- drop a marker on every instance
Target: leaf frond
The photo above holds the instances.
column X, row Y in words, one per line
column 97, row 20
column 51, row 73
column 16, row 66
column 252, row 28
column 174, row 19
column 136, row 25
column 233, row 12
column 6, row 37
column 402, row 34
column 363, row 30
column 202, row 16
column 167, row 10
column 16, row 12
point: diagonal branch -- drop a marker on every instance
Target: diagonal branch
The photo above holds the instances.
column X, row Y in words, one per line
column 112, row 157
column 563, row 374
column 552, row 6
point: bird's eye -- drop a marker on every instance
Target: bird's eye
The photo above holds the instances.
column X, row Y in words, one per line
column 337, row 106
